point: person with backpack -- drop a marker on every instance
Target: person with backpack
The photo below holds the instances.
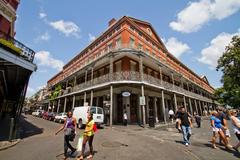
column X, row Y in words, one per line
column 88, row 136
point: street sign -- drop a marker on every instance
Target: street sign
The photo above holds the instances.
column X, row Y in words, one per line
column 142, row 100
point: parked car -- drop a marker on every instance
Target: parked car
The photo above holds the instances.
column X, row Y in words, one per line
column 37, row 112
column 60, row 117
column 51, row 116
column 80, row 113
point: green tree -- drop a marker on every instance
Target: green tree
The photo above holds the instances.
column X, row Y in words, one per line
column 229, row 64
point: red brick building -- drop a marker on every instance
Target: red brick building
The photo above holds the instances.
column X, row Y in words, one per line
column 126, row 62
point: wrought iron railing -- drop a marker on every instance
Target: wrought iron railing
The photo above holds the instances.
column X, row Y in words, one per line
column 23, row 51
column 133, row 76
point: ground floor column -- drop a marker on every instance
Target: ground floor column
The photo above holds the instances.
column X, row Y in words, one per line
column 175, row 102
column 49, row 105
column 143, row 108
column 73, row 103
column 199, row 102
column 184, row 103
column 111, row 105
column 163, row 108
column 196, row 107
column 155, row 108
column 58, row 106
column 190, row 105
column 65, row 104
column 91, row 98
column 85, row 97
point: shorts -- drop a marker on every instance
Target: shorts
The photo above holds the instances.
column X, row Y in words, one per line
column 216, row 129
column 238, row 136
column 227, row 133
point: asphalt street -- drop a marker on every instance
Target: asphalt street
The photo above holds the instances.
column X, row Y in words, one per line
column 118, row 143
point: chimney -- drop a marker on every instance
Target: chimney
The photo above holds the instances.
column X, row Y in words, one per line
column 111, row 22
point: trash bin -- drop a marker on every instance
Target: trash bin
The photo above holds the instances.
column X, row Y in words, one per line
column 151, row 121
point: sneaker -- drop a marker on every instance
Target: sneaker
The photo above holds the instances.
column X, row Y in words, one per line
column 186, row 144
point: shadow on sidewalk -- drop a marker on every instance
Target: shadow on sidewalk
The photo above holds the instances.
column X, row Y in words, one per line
column 25, row 129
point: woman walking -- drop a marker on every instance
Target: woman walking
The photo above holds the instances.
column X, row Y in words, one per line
column 69, row 128
column 88, row 137
column 217, row 128
column 236, row 128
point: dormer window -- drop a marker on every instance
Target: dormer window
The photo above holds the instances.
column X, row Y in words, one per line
column 149, row 31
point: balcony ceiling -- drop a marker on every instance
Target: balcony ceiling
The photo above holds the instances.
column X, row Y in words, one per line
column 13, row 78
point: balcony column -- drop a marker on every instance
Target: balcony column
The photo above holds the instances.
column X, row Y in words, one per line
column 187, row 86
column 58, row 106
column 85, row 97
column 160, row 72
column 175, row 102
column 184, row 102
column 190, row 105
column 199, row 102
column 141, row 67
column 75, row 81
column 163, row 108
column 111, row 105
column 111, row 68
column 172, row 80
column 196, row 107
column 91, row 99
column 155, row 108
column 65, row 104
column 73, row 103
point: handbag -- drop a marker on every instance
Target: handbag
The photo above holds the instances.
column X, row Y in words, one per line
column 95, row 127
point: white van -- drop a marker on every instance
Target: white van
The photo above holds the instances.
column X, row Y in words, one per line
column 80, row 113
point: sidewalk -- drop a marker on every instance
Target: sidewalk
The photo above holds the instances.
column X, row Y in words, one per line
column 4, row 134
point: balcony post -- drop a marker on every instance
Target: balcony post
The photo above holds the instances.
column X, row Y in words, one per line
column 75, row 81
column 141, row 67
column 187, row 86
column 111, row 105
column 190, row 104
column 91, row 99
column 65, row 104
column 85, row 97
column 111, row 68
column 163, row 108
column 160, row 72
column 92, row 76
column 175, row 102
column 59, row 100
column 86, row 77
column 143, row 107
column 172, row 80
column 73, row 103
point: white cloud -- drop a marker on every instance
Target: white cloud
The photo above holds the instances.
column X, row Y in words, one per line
column 42, row 15
column 66, row 27
column 91, row 37
column 44, row 37
column 196, row 14
column 214, row 51
column 44, row 58
column 30, row 91
column 176, row 47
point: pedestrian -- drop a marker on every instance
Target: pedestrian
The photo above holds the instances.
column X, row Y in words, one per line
column 197, row 119
column 236, row 127
column 178, row 121
column 186, row 126
column 171, row 115
column 88, row 136
column 69, row 128
column 222, row 116
column 217, row 129
column 125, row 118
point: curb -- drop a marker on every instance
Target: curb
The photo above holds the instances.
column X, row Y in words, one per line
column 11, row 144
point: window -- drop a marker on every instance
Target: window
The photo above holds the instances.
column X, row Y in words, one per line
column 132, row 42
column 109, row 47
column 149, row 31
column 118, row 43
column 147, row 51
column 133, row 66
column 99, row 110
column 118, row 66
column 93, row 110
column 140, row 46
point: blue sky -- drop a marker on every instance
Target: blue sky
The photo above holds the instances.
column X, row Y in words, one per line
column 194, row 31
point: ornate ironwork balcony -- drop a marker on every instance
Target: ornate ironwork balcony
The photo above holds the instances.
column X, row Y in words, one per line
column 16, row 47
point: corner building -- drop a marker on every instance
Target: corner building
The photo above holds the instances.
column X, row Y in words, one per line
column 128, row 68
